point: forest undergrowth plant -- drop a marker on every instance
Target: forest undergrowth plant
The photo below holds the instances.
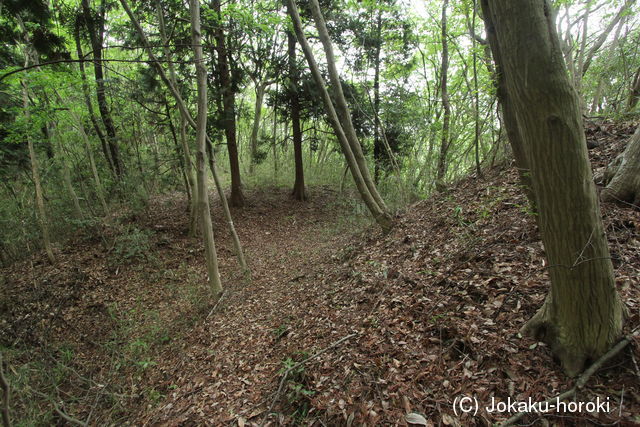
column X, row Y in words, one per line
column 297, row 393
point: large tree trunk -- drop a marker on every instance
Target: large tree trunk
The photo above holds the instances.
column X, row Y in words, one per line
column 298, row 192
column 582, row 316
column 444, row 70
column 201, row 135
column 228, row 109
column 625, row 185
column 350, row 145
column 96, row 34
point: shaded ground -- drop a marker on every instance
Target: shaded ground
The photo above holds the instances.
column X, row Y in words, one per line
column 124, row 329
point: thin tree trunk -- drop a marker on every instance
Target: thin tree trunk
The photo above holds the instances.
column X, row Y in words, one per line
column 298, row 192
column 87, row 101
column 42, row 216
column 255, row 128
column 201, row 135
column 342, row 109
column 634, row 94
column 92, row 164
column 444, row 142
column 228, row 109
column 379, row 212
column 96, row 34
column 66, row 175
column 193, row 209
column 476, row 96
column 582, row 316
column 179, row 153
column 186, row 115
column 378, row 149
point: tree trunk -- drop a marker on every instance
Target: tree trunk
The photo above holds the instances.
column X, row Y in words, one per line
column 441, row 171
column 625, row 185
column 582, row 316
column 186, row 115
column 255, row 129
column 42, row 215
column 87, row 101
column 476, row 96
column 349, row 144
column 634, row 94
column 66, row 174
column 228, row 109
column 378, row 149
column 201, row 135
column 96, row 34
column 298, row 192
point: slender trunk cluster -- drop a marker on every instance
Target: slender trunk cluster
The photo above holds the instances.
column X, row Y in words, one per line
column 340, row 116
column 186, row 116
column 201, row 135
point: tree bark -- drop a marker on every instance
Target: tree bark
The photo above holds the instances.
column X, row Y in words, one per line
column 444, row 70
column 352, row 152
column 582, row 316
column 228, row 108
column 201, row 135
column 298, row 192
column 625, row 185
column 96, row 34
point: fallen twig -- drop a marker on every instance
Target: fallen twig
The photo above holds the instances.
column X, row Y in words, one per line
column 582, row 380
column 216, row 304
column 297, row 365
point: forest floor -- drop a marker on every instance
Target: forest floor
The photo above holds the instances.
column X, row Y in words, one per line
column 122, row 330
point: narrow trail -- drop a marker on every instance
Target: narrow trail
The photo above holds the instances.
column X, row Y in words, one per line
column 230, row 361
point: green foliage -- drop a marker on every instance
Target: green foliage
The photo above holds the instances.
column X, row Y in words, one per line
column 133, row 245
column 297, row 392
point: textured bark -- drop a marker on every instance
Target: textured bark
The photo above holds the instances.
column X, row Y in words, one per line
column 201, row 135
column 625, row 185
column 582, row 316
column 379, row 212
column 96, row 33
column 228, row 109
column 298, row 192
column 446, row 106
